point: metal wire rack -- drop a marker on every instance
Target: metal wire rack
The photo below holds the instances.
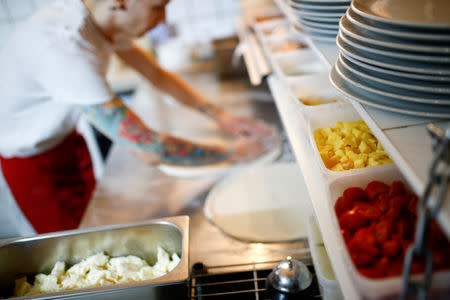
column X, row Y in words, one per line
column 241, row 282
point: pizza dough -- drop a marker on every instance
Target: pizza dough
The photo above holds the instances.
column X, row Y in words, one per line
column 267, row 203
column 219, row 169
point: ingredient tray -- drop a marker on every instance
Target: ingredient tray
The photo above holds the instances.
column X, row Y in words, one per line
column 38, row 254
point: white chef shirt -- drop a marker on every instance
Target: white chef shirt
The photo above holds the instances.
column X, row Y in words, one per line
column 54, row 61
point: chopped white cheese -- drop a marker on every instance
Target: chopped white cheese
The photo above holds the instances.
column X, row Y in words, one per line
column 97, row 270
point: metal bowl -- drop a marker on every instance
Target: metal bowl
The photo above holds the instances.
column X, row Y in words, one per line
column 29, row 256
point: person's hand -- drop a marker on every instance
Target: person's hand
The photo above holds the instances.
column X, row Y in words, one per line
column 243, row 127
column 147, row 157
column 246, row 149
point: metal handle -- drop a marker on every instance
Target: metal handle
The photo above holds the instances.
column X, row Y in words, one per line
column 427, row 210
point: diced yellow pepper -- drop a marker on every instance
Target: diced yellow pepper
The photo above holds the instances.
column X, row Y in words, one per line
column 359, row 163
column 332, row 161
column 349, row 145
column 338, row 167
column 364, row 148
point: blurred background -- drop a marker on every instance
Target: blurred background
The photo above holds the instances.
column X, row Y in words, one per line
column 196, row 30
column 194, row 20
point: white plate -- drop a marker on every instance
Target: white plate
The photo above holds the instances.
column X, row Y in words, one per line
column 414, row 13
column 318, row 14
column 314, row 24
column 261, row 204
column 390, row 42
column 315, row 30
column 396, row 31
column 331, row 20
column 391, row 63
column 393, row 53
column 317, row 6
column 320, row 38
column 326, row 21
column 315, row 36
column 386, row 103
column 413, row 85
column 322, row 2
column 407, row 75
column 388, row 91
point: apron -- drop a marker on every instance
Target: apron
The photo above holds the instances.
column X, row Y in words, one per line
column 52, row 188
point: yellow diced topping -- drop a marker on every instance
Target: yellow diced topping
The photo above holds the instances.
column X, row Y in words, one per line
column 349, row 145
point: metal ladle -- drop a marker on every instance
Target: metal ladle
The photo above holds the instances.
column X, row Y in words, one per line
column 290, row 276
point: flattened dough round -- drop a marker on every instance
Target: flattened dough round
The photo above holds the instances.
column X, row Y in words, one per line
column 268, row 203
column 222, row 168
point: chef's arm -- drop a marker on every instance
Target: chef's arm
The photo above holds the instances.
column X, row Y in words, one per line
column 124, row 127
column 168, row 82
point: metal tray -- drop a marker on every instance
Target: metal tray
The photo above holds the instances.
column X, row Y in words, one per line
column 28, row 256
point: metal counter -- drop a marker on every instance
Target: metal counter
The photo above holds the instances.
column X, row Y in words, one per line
column 132, row 191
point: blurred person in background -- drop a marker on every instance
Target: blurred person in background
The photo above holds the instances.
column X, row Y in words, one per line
column 53, row 68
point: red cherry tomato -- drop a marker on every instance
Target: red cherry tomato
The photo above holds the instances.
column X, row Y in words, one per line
column 412, row 204
column 397, row 188
column 391, row 248
column 382, row 203
column 395, row 268
column 381, row 266
column 399, row 202
column 363, row 259
column 376, row 188
column 383, row 230
column 404, row 227
column 351, row 221
column 366, row 210
column 396, row 204
column 342, row 205
column 347, row 235
column 379, row 227
column 417, row 267
column 371, row 273
column 355, row 194
column 364, row 241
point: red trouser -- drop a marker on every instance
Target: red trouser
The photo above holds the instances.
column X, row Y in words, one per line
column 52, row 188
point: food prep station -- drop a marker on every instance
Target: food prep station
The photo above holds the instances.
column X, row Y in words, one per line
column 135, row 207
column 403, row 135
column 131, row 195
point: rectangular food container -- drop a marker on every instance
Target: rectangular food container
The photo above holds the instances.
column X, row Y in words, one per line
column 311, row 87
column 275, row 45
column 30, row 256
column 270, row 29
column 389, row 288
column 296, row 63
column 329, row 115
column 328, row 285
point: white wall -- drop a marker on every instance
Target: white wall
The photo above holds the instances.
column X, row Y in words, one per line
column 202, row 20
column 196, row 20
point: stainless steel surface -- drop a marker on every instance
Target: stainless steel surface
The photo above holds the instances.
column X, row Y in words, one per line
column 290, row 276
column 132, row 191
column 29, row 256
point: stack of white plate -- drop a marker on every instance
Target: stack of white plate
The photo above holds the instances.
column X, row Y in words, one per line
column 318, row 18
column 395, row 55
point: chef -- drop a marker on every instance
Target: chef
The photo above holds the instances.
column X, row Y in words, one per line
column 52, row 69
